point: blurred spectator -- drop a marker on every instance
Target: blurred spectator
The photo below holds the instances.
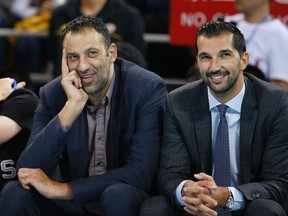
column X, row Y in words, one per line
column 154, row 12
column 266, row 39
column 6, row 21
column 123, row 21
column 255, row 71
column 167, row 60
column 127, row 51
column 17, row 107
column 31, row 52
column 27, row 8
column 193, row 73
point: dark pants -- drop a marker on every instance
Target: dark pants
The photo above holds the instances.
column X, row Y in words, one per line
column 161, row 206
column 116, row 200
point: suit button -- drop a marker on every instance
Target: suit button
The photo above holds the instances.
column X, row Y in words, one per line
column 256, row 196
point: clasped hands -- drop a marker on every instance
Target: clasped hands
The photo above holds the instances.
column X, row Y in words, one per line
column 202, row 197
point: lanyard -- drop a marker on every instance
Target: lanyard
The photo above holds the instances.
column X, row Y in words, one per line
column 251, row 36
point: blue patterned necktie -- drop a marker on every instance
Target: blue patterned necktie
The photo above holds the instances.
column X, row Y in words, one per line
column 222, row 172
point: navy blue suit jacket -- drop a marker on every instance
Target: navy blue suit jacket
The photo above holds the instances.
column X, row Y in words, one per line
column 133, row 137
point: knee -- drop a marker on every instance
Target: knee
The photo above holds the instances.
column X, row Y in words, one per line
column 122, row 192
column 264, row 207
column 122, row 199
column 13, row 194
column 11, row 189
column 156, row 206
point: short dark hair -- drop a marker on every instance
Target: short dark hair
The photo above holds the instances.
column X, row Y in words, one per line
column 78, row 24
column 215, row 28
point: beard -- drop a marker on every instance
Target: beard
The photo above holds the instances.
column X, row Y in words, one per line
column 225, row 85
column 101, row 80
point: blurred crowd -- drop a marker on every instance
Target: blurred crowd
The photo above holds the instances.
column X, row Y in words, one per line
column 127, row 21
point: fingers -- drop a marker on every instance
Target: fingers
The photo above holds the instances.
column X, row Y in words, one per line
column 195, row 190
column 9, row 81
column 74, row 78
column 203, row 176
column 21, row 85
column 65, row 69
column 23, row 179
column 197, row 195
column 196, row 206
column 200, row 210
column 206, row 181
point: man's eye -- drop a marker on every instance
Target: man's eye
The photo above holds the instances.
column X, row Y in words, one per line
column 92, row 54
column 203, row 58
column 72, row 58
column 226, row 54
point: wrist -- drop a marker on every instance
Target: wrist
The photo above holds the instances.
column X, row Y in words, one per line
column 3, row 96
column 229, row 205
column 69, row 114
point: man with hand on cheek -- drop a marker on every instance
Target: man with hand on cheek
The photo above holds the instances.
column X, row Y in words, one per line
column 94, row 147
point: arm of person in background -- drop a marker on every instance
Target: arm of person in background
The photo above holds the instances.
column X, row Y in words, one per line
column 8, row 127
column 23, row 9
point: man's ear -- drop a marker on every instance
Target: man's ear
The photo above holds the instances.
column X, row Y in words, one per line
column 244, row 60
column 112, row 52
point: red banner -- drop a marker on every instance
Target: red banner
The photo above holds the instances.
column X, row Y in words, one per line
column 188, row 15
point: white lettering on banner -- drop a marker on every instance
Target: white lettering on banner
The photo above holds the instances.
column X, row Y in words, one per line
column 282, row 1
column 215, row 0
column 192, row 19
column 10, row 171
column 284, row 19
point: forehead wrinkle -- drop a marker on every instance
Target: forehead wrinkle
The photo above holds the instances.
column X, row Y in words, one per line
column 74, row 44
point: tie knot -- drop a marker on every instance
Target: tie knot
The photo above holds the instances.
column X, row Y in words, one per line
column 222, row 109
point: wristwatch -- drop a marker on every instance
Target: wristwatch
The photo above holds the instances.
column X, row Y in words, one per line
column 230, row 202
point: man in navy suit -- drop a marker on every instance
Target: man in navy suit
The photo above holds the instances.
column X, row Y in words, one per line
column 97, row 129
column 257, row 117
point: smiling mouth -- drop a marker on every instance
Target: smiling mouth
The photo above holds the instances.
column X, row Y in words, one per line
column 87, row 78
column 217, row 75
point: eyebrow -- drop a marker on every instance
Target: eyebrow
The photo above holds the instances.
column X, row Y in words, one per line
column 203, row 53
column 225, row 50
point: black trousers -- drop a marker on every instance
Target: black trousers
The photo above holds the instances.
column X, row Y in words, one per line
column 116, row 200
column 161, row 206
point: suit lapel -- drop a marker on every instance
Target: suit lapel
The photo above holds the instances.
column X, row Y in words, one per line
column 202, row 121
column 114, row 122
column 248, row 119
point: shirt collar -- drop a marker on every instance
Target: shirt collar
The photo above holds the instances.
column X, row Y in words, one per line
column 235, row 103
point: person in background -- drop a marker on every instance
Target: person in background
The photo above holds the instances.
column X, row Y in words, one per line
column 17, row 105
column 6, row 21
column 123, row 21
column 30, row 53
column 128, row 52
column 225, row 137
column 266, row 39
column 98, row 127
